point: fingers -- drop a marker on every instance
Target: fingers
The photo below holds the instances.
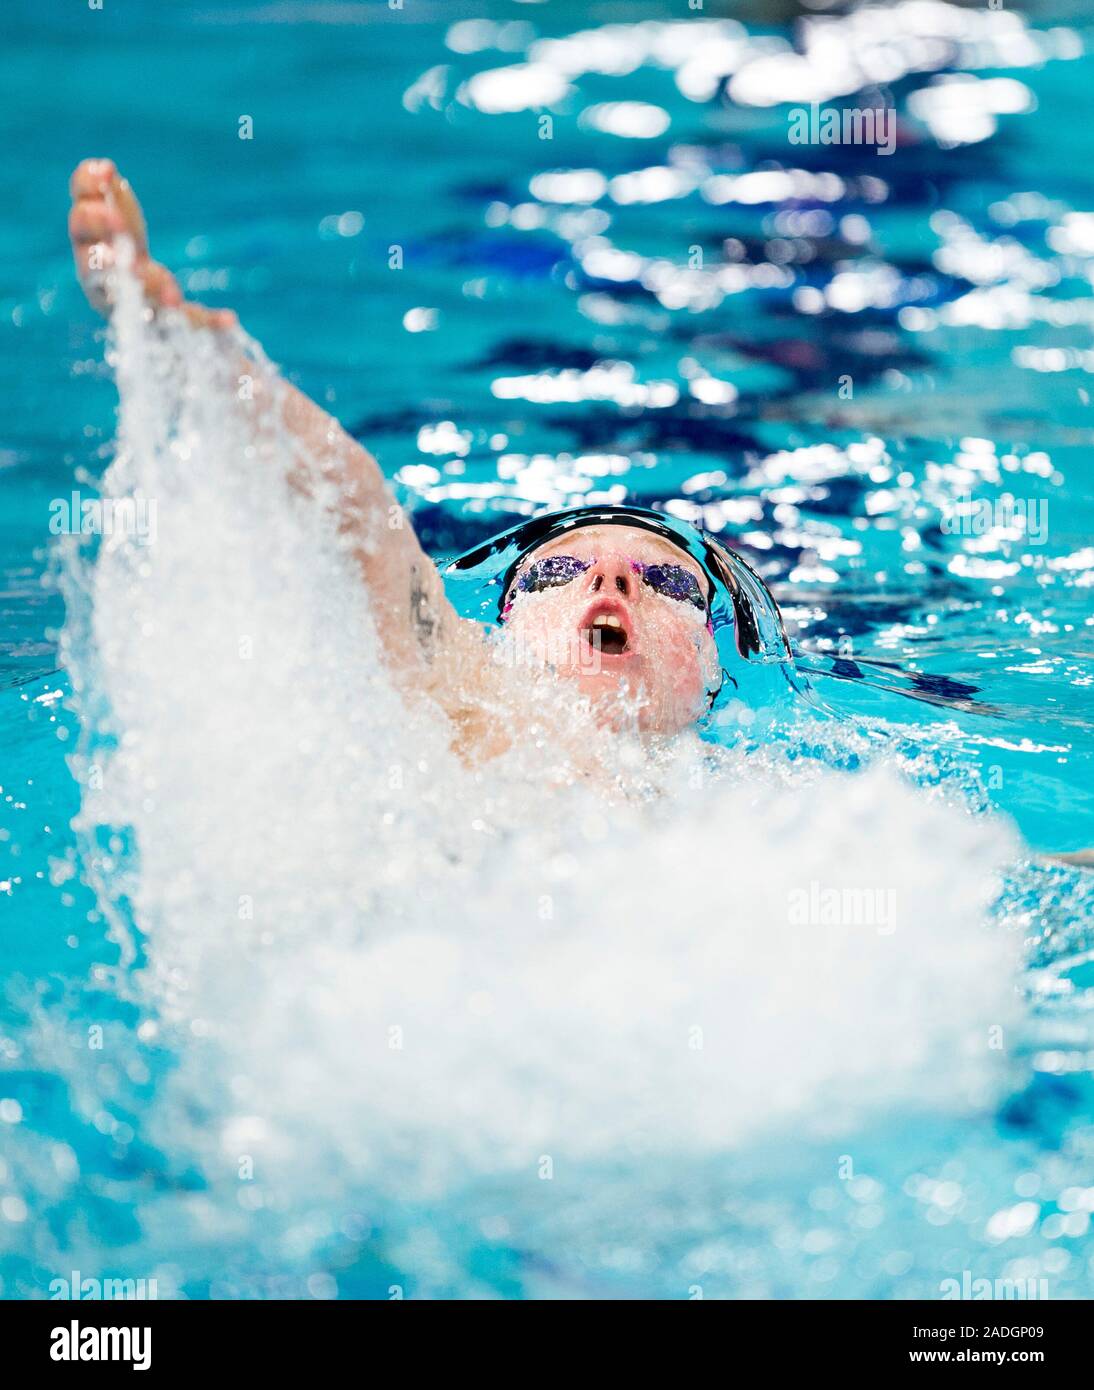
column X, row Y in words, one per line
column 217, row 319
column 160, row 286
column 125, row 201
column 91, row 178
column 93, row 219
column 93, row 225
column 104, row 207
column 96, row 183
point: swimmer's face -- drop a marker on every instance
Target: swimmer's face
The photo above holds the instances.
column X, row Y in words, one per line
column 619, row 611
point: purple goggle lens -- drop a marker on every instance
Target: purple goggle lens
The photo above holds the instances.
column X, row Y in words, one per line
column 670, row 581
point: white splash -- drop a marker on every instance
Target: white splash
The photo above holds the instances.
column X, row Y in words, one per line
column 383, row 971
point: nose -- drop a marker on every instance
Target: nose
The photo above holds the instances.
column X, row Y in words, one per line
column 612, row 574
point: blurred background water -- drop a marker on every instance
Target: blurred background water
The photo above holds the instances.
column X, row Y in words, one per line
column 535, row 253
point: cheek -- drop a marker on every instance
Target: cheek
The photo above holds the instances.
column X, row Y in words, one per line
column 681, row 635
column 688, row 672
column 535, row 626
column 688, row 661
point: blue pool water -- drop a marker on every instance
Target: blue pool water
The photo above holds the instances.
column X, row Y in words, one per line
column 606, row 276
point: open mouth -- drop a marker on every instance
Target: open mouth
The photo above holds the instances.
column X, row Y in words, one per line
column 606, row 633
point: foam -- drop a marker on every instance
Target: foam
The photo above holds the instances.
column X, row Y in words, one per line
column 381, row 969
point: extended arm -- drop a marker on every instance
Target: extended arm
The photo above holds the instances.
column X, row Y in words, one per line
column 417, row 626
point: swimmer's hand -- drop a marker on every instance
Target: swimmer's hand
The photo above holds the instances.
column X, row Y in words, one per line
column 105, row 208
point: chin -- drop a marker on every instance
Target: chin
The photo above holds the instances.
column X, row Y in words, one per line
column 621, row 701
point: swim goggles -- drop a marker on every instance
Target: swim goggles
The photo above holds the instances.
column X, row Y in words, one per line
column 739, row 606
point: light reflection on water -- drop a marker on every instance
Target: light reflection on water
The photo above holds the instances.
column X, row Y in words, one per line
column 817, row 351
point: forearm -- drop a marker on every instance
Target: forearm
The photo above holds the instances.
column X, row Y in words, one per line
column 414, row 619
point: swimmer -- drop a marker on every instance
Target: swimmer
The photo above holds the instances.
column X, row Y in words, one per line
column 616, row 600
